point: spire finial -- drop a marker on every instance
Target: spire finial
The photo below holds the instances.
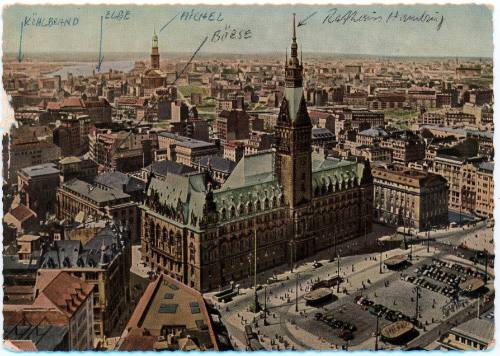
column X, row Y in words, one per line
column 294, row 37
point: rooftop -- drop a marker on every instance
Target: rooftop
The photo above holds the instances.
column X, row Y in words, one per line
column 95, row 193
column 216, row 163
column 169, row 303
column 120, row 181
column 479, row 329
column 40, row 170
column 168, row 167
column 186, row 141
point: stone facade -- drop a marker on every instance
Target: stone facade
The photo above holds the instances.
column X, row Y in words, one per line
column 284, row 205
column 405, row 197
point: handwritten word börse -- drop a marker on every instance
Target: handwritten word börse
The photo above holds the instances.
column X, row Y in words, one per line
column 229, row 33
column 46, row 21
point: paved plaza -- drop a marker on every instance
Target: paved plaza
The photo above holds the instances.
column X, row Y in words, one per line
column 286, row 328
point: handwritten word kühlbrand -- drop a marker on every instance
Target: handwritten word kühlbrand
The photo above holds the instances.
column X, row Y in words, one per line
column 117, row 15
column 346, row 17
column 229, row 33
column 42, row 21
column 199, row 16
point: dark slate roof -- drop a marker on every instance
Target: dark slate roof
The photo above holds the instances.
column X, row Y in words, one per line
column 217, row 163
column 487, row 166
column 11, row 263
column 184, row 141
column 95, row 193
column 163, row 168
column 101, row 249
column 45, row 337
column 120, row 181
column 321, row 132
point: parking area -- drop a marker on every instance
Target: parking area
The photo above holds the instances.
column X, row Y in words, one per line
column 339, row 324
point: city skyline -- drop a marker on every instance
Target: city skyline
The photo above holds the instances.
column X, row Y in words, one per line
column 463, row 31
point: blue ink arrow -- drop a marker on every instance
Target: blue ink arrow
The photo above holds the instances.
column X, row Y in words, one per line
column 303, row 22
column 168, row 23
column 101, row 57
column 20, row 54
column 177, row 76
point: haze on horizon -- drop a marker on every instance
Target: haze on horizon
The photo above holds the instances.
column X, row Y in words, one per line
column 466, row 31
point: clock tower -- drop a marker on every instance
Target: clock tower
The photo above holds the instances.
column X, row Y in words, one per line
column 293, row 135
column 155, row 55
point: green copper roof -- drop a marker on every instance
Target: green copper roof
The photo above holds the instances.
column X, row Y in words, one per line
column 180, row 198
column 334, row 171
column 250, row 170
column 294, row 96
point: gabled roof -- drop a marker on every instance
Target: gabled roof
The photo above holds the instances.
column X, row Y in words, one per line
column 181, row 198
column 61, row 290
column 120, row 181
column 250, row 170
column 294, row 97
column 22, row 213
column 168, row 167
column 216, row 163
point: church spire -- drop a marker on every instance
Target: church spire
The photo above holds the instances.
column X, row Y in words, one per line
column 155, row 55
column 293, row 69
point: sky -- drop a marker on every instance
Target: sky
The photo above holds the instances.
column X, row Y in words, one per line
column 466, row 30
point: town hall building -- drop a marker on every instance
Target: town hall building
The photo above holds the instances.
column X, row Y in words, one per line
column 284, row 204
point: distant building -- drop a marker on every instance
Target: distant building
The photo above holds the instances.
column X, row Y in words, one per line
column 371, row 136
column 184, row 150
column 322, row 137
column 404, row 197
column 232, row 125
column 406, row 147
column 234, row 150
column 363, row 116
column 123, row 151
column 78, row 200
column 259, row 141
column 72, row 135
column 470, row 181
column 37, row 186
column 74, row 167
column 29, row 152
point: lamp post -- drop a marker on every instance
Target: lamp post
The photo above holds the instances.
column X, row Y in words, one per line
column 265, row 304
column 256, row 305
column 376, row 332
column 417, row 290
column 338, row 273
column 428, row 239
column 380, row 261
column 297, row 292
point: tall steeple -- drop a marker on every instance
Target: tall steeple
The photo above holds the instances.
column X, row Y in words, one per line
column 293, row 69
column 155, row 54
column 293, row 135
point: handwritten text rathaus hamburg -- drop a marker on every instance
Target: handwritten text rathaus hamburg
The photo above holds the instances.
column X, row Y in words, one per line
column 354, row 16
